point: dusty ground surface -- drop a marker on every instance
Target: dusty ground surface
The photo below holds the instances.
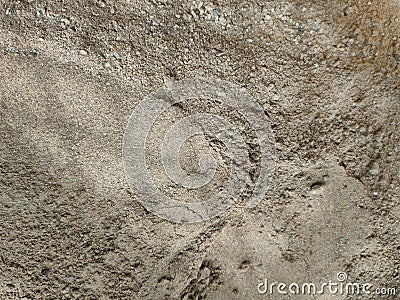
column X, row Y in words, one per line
column 72, row 72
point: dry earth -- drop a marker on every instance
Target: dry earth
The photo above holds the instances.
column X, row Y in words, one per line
column 72, row 72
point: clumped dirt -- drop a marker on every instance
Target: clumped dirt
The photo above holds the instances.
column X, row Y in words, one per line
column 71, row 73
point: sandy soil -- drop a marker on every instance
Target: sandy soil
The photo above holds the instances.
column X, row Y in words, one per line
column 71, row 74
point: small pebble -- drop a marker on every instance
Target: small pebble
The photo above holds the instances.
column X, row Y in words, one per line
column 83, row 52
column 374, row 171
column 117, row 56
column 206, row 272
column 65, row 21
column 45, row 272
